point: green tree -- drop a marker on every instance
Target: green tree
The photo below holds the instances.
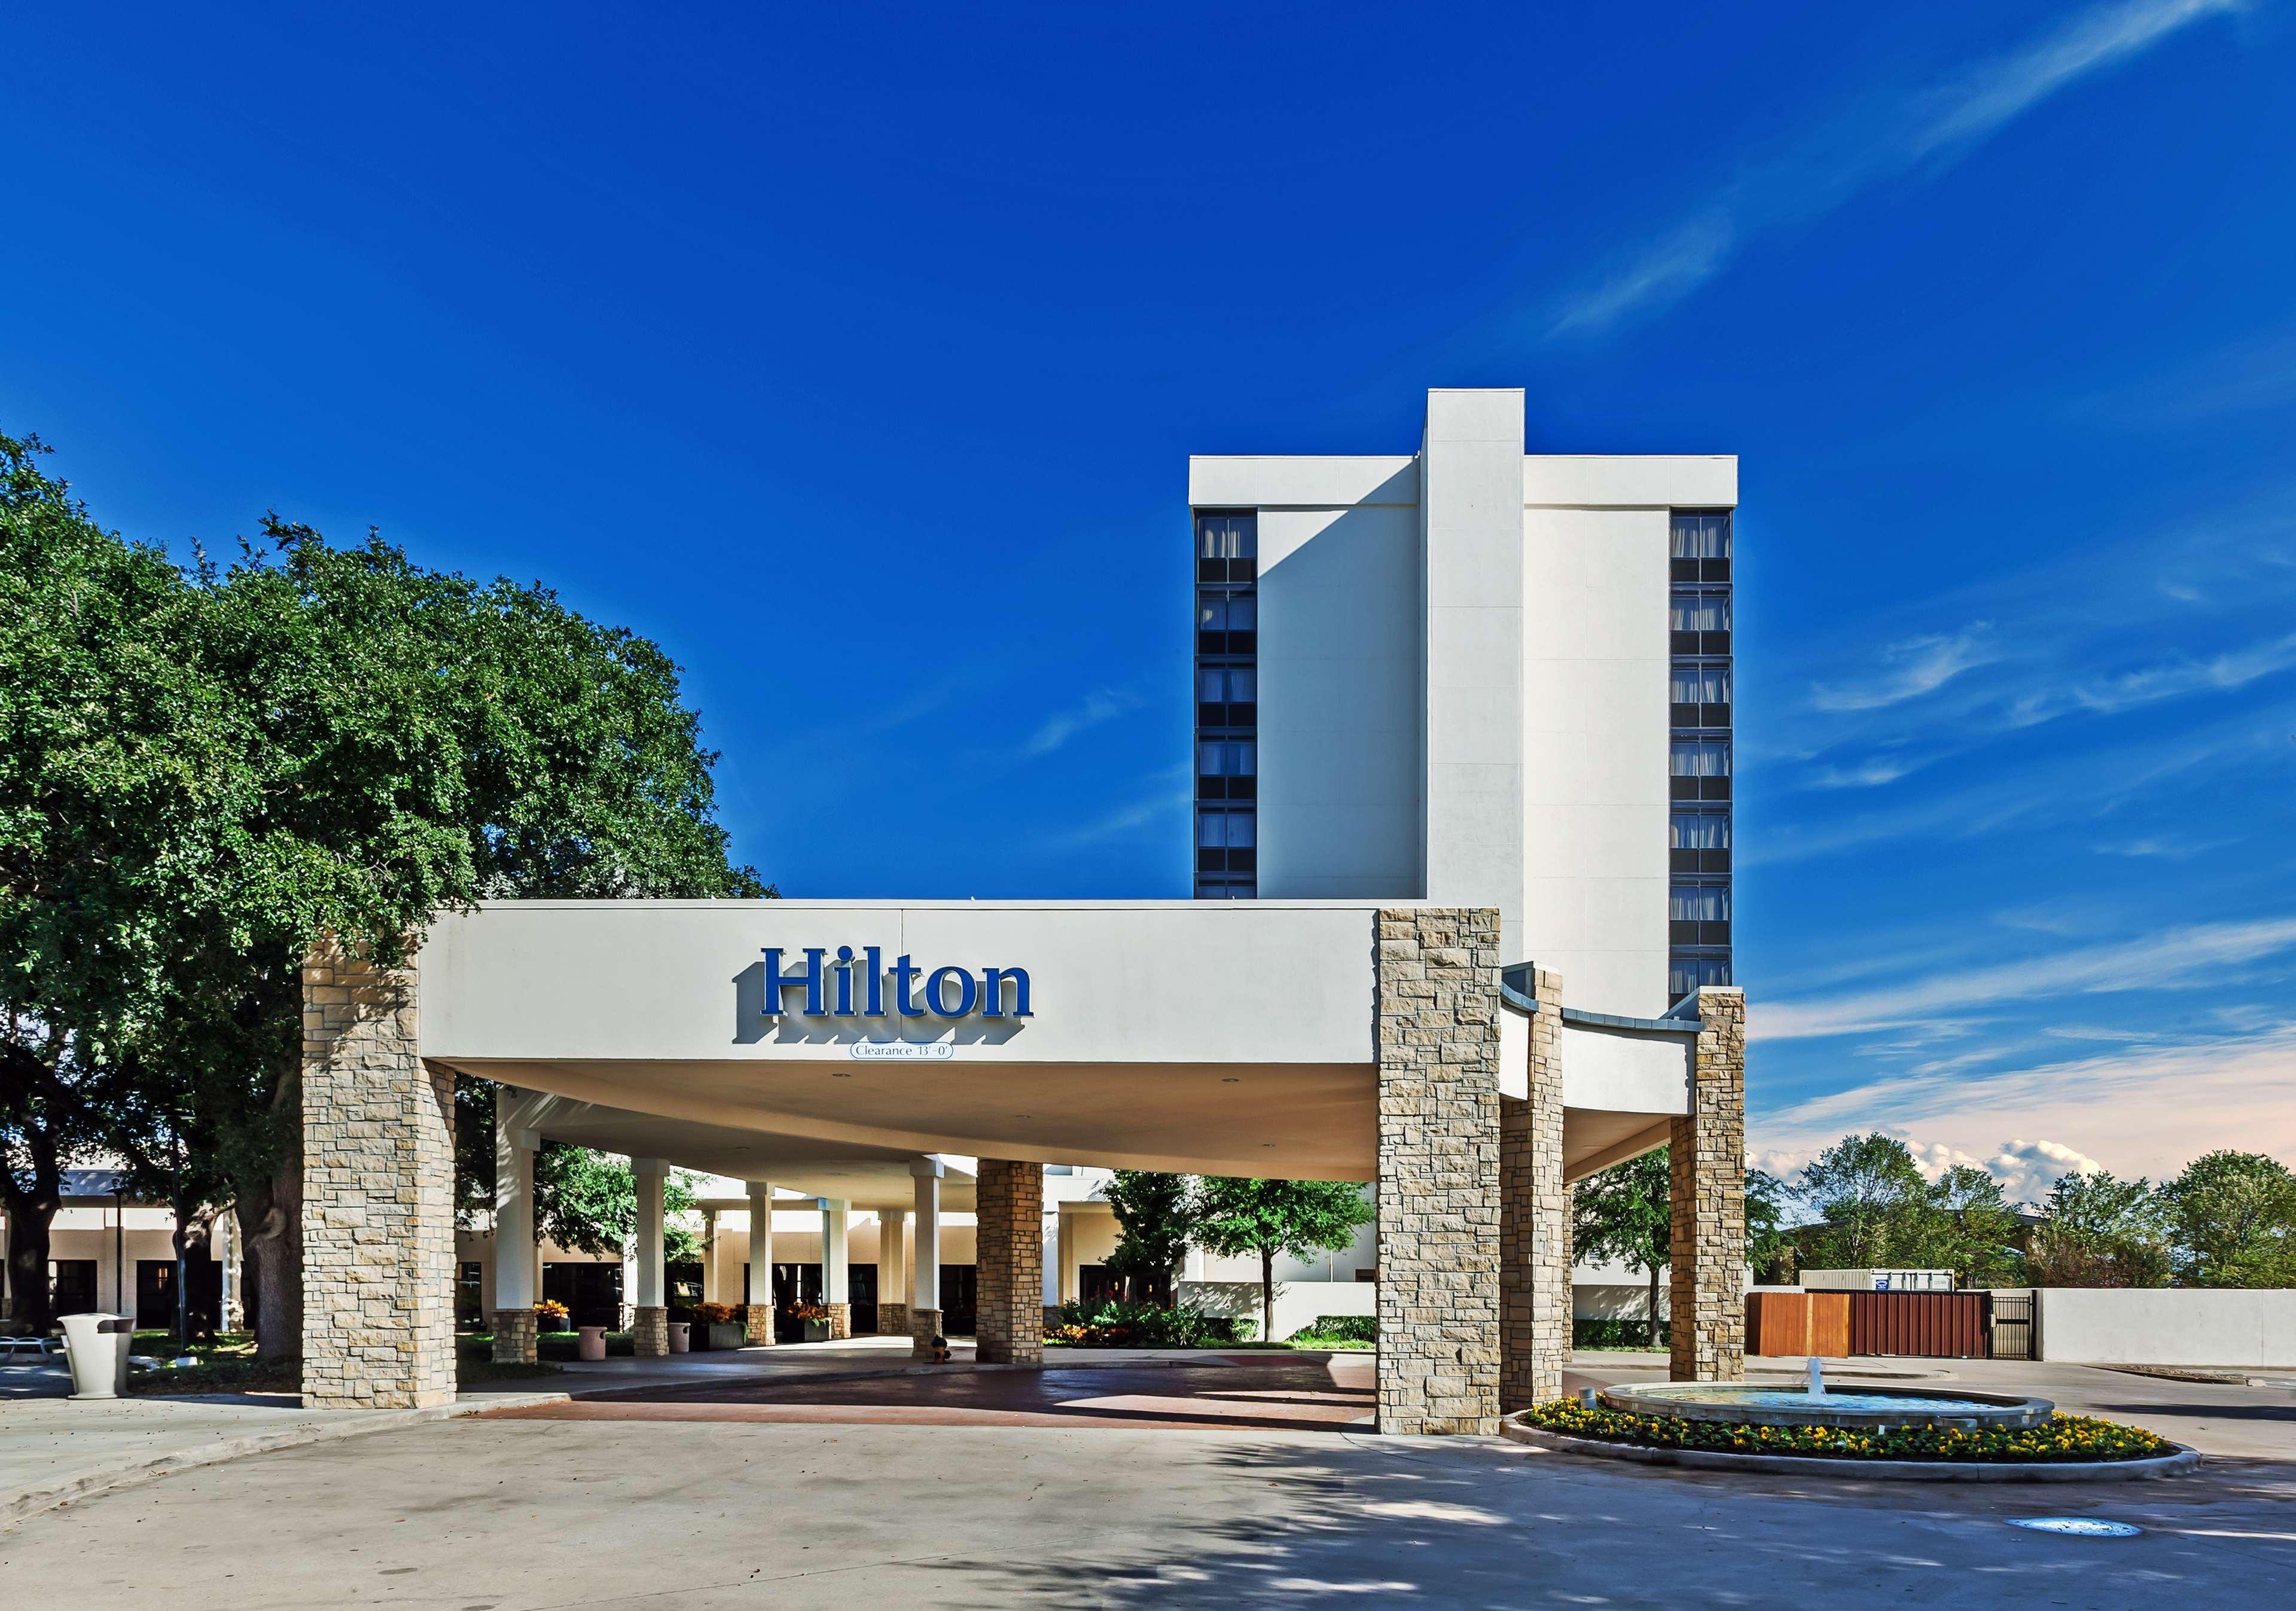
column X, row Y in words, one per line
column 1870, row 1197
column 2100, row 1231
column 1154, row 1216
column 202, row 776
column 1963, row 1224
column 2235, row 1214
column 1769, row 1249
column 1233, row 1216
column 1626, row 1213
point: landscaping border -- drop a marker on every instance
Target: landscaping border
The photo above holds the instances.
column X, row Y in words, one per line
column 2176, row 1464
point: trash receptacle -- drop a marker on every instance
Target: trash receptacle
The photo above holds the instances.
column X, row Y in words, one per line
column 681, row 1335
column 97, row 1347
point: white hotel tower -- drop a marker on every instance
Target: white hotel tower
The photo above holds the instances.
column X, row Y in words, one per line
column 1479, row 677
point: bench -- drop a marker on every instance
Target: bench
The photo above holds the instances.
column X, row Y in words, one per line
column 13, row 1348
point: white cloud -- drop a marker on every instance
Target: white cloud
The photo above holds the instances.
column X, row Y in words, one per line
column 1173, row 793
column 2135, row 1110
column 1101, row 706
column 1916, row 667
column 2156, row 961
column 1835, row 163
column 1871, row 773
column 2028, row 1169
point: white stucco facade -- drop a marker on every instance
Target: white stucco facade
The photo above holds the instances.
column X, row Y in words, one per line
column 1463, row 662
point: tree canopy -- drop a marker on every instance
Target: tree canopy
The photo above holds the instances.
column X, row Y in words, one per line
column 1235, row 1215
column 1626, row 1213
column 205, row 770
column 1154, row 1213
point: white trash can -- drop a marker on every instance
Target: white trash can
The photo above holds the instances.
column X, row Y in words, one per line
column 97, row 1347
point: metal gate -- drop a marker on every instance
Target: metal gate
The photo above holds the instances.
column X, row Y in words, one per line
column 2013, row 1326
column 1920, row 1325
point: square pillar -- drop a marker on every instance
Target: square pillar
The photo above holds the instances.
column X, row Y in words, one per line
column 924, row 1260
column 892, row 1311
column 1535, row 1219
column 758, row 1315
column 1009, row 1213
column 378, row 1216
column 649, row 1301
column 1706, row 1154
column 836, row 1283
column 1436, row 1035
column 514, row 1320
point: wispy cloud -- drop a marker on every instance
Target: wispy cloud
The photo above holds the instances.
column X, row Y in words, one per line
column 2161, row 847
column 1924, row 129
column 1169, row 794
column 2156, row 961
column 1869, row 774
column 1911, row 669
column 1103, row 705
column 2145, row 1110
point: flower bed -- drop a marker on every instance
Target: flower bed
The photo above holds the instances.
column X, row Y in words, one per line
column 2062, row 1439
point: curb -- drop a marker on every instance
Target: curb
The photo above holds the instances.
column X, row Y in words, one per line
column 791, row 1380
column 21, row 1502
column 1900, row 1471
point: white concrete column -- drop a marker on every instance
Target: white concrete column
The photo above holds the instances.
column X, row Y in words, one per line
column 708, row 1256
column 833, row 1283
column 924, row 1264
column 513, row 1261
column 890, row 1263
column 761, row 1242
column 651, row 1288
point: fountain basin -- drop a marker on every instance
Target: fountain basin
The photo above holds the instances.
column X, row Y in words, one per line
column 1867, row 1409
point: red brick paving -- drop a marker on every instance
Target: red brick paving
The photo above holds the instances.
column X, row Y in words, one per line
column 1286, row 1395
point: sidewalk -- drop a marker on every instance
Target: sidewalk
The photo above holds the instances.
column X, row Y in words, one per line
column 53, row 1451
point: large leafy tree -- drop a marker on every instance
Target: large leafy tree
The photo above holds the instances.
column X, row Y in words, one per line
column 1235, row 1216
column 1626, row 1213
column 2100, row 1231
column 2235, row 1214
column 1964, row 1224
column 206, row 775
column 1154, row 1212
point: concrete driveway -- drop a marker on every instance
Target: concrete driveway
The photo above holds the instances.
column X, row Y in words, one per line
column 502, row 1515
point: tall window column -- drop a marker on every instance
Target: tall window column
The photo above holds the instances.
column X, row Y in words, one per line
column 1699, row 697
column 1227, row 704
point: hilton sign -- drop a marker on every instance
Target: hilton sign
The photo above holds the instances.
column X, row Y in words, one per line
column 831, row 986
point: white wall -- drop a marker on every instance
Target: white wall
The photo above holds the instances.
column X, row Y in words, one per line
column 2167, row 1326
column 1595, row 753
column 1339, row 702
column 1297, row 1302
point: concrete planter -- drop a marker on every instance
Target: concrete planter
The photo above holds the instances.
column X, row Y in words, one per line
column 2175, row 1464
column 724, row 1334
column 813, row 1331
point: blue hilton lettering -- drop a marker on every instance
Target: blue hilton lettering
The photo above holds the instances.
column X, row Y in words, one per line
column 948, row 992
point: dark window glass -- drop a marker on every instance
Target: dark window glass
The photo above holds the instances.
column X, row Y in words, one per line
column 1700, row 830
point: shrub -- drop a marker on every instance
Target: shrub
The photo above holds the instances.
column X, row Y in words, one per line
column 1587, row 1331
column 715, row 1314
column 2059, row 1438
column 1114, row 1323
column 1346, row 1328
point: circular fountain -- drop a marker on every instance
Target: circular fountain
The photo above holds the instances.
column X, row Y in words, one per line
column 1871, row 1409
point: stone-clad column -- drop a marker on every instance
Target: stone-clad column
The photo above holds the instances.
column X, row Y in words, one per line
column 1437, row 1040
column 378, row 1194
column 1707, row 1152
column 836, row 1293
column 924, row 1260
column 1535, row 1218
column 1009, row 1213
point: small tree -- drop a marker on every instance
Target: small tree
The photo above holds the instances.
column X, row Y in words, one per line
column 1768, row 1249
column 1627, row 1212
column 1153, row 1215
column 1235, row 1216
column 1870, row 1195
column 1965, row 1226
column 2235, row 1220
column 2100, row 1231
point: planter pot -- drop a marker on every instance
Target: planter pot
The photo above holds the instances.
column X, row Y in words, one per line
column 815, row 1331
column 590, row 1343
column 681, row 1337
column 726, row 1333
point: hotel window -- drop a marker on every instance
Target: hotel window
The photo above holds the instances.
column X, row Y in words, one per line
column 1699, row 693
column 1685, row 974
column 1700, row 623
column 1227, row 703
column 1698, row 841
column 1701, row 768
column 1699, row 545
column 1698, row 915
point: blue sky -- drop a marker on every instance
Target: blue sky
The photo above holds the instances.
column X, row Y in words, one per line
column 856, row 354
